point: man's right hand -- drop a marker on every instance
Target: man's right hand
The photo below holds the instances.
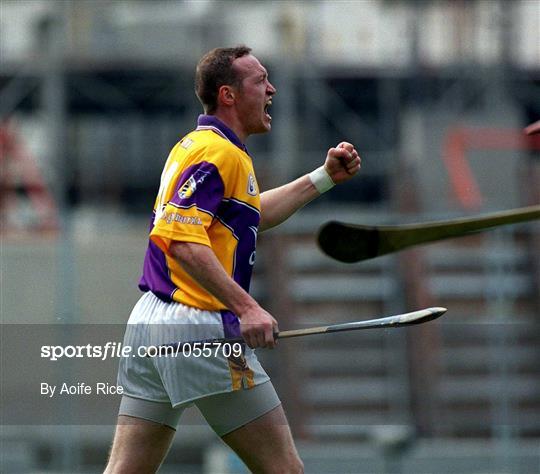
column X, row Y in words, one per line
column 258, row 327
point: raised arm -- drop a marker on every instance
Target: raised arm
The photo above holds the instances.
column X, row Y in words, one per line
column 278, row 204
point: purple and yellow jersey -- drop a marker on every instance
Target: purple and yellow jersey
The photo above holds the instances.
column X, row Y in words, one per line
column 208, row 195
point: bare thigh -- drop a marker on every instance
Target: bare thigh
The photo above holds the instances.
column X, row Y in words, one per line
column 266, row 444
column 139, row 446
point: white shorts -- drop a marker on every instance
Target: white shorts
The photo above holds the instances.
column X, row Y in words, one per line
column 183, row 378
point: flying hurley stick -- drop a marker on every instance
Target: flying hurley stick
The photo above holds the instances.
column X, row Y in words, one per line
column 351, row 243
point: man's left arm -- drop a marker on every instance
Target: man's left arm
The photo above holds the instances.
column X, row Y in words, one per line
column 278, row 204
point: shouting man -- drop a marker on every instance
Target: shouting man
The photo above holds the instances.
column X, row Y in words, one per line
column 196, row 278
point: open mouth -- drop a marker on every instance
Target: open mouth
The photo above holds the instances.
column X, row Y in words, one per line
column 267, row 109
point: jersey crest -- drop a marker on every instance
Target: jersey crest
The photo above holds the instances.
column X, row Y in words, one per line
column 190, row 186
column 252, row 185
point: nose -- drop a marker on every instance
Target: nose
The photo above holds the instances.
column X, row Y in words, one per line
column 271, row 89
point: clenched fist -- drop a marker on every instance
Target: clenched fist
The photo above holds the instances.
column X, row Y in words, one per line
column 342, row 162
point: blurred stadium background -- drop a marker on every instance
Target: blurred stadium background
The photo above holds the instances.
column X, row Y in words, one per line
column 434, row 94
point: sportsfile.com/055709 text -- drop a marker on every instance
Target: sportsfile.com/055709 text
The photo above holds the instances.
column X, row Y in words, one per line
column 118, row 349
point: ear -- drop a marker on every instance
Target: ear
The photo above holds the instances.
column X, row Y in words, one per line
column 226, row 95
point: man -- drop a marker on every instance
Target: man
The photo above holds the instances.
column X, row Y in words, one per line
column 196, row 279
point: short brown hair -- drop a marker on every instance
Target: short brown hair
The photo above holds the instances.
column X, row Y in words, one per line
column 215, row 70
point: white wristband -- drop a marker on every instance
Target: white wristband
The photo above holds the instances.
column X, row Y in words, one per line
column 321, row 180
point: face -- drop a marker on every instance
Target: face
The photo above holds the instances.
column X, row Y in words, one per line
column 254, row 97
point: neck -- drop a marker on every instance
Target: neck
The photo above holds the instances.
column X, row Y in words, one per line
column 230, row 119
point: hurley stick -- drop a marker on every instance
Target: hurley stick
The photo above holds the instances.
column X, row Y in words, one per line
column 352, row 243
column 395, row 321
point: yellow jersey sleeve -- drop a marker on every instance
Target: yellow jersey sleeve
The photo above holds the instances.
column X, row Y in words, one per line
column 193, row 185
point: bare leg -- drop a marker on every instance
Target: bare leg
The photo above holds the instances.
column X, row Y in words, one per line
column 139, row 446
column 266, row 444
